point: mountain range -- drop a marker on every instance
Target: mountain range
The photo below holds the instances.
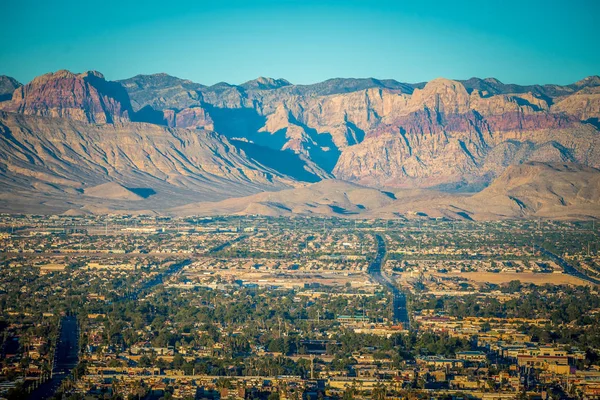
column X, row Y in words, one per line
column 473, row 149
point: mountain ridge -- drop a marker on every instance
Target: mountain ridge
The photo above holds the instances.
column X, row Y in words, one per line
column 51, row 163
column 443, row 134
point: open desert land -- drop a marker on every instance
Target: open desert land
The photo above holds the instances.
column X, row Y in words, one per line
column 506, row 277
column 290, row 280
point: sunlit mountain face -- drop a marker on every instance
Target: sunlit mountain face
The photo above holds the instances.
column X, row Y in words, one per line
column 299, row 200
column 184, row 143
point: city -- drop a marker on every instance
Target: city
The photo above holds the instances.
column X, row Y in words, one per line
column 300, row 200
column 298, row 308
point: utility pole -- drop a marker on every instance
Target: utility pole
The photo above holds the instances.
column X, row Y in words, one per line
column 588, row 252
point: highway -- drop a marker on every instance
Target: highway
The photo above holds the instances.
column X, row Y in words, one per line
column 399, row 311
column 227, row 244
column 157, row 280
column 66, row 357
column 568, row 268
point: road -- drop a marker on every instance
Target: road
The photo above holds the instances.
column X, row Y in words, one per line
column 399, row 311
column 157, row 280
column 227, row 244
column 66, row 357
column 568, row 268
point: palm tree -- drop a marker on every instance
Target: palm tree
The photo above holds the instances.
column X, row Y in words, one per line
column 379, row 392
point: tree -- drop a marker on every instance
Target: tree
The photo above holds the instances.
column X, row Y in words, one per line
column 224, row 383
column 178, row 361
column 379, row 392
column 144, row 361
column 349, row 393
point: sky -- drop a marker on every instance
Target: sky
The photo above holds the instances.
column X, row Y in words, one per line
column 524, row 41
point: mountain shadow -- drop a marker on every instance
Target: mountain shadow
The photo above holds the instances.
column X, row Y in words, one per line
column 143, row 192
column 113, row 90
column 325, row 154
column 593, row 121
column 286, row 162
column 150, row 115
column 236, row 122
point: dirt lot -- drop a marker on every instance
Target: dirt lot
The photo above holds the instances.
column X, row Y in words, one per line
column 296, row 279
column 525, row 277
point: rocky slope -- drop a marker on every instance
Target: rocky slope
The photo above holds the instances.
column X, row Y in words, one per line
column 559, row 190
column 64, row 133
column 530, row 190
column 54, row 164
column 161, row 92
column 86, row 97
column 7, row 87
column 325, row 198
column 262, row 83
column 166, row 100
column 385, row 133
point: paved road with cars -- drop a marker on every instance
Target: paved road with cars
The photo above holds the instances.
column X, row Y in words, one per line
column 66, row 357
column 399, row 311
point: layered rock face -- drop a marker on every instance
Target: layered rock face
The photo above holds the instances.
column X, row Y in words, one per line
column 386, row 133
column 585, row 105
column 86, row 97
column 443, row 133
column 428, row 148
column 192, row 117
column 61, row 161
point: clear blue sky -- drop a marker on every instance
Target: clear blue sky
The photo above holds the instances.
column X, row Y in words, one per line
column 523, row 41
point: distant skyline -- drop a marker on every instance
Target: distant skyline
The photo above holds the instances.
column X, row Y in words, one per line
column 523, row 42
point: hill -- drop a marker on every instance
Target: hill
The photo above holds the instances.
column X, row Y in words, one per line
column 55, row 164
column 531, row 190
column 179, row 142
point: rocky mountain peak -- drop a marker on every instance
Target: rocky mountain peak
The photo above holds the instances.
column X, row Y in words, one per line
column 95, row 74
column 7, row 87
column 493, row 81
column 159, row 80
column 84, row 97
column 590, row 81
column 444, row 84
column 376, row 132
column 263, row 83
column 442, row 95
